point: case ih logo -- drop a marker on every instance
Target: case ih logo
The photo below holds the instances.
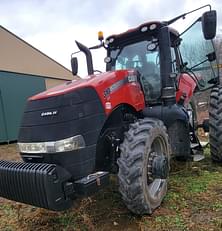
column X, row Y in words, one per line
column 120, row 83
column 49, row 113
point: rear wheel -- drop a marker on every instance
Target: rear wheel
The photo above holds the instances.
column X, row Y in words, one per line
column 215, row 124
column 144, row 166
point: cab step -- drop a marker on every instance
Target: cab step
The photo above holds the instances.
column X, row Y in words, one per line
column 90, row 184
column 194, row 145
column 198, row 157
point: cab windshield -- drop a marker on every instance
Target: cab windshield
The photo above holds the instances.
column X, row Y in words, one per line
column 144, row 57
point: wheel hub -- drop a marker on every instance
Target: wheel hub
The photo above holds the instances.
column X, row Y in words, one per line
column 160, row 167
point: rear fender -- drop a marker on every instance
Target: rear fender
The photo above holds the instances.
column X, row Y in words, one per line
column 168, row 114
column 186, row 87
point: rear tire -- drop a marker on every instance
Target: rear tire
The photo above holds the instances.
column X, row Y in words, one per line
column 144, row 166
column 215, row 124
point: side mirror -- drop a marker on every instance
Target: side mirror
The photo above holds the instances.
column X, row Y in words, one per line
column 211, row 56
column 74, row 65
column 209, row 24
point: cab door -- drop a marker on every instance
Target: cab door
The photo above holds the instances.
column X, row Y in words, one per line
column 198, row 57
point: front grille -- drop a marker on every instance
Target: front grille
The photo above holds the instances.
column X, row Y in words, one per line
column 62, row 116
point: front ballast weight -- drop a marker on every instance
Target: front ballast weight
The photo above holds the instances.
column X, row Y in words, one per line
column 44, row 185
column 41, row 185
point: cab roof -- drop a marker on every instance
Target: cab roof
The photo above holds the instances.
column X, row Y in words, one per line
column 138, row 33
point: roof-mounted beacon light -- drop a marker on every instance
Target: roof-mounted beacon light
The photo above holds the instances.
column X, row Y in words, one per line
column 100, row 36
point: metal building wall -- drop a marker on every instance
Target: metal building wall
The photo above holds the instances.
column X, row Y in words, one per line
column 24, row 71
column 14, row 90
column 20, row 57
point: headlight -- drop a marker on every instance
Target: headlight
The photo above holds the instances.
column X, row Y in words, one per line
column 32, row 147
column 65, row 145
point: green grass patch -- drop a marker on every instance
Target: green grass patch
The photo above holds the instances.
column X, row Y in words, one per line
column 217, row 206
column 165, row 222
column 169, row 220
column 218, row 223
column 71, row 221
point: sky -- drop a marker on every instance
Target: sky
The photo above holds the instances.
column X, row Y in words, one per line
column 53, row 26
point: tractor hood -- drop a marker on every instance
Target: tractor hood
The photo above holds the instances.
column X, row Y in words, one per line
column 78, row 106
column 113, row 88
column 99, row 82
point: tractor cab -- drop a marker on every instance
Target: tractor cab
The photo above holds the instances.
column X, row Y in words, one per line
column 168, row 63
column 191, row 55
column 139, row 49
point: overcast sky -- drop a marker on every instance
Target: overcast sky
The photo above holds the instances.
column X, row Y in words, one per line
column 53, row 26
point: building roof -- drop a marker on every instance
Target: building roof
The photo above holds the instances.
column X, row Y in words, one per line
column 19, row 56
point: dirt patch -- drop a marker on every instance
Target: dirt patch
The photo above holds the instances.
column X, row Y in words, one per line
column 9, row 152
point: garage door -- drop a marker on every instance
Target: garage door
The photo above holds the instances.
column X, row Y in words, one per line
column 15, row 89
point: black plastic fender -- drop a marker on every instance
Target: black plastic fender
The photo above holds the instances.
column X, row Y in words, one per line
column 168, row 114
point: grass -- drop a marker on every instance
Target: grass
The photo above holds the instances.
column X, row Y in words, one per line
column 193, row 202
column 173, row 221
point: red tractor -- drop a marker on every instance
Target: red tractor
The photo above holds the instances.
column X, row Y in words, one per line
column 130, row 120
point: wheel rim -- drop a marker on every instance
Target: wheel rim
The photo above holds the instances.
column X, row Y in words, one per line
column 157, row 170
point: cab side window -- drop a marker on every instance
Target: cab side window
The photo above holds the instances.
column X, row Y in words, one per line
column 174, row 61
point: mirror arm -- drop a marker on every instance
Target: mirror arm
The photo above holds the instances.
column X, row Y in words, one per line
column 183, row 15
column 207, row 59
column 97, row 46
column 199, row 64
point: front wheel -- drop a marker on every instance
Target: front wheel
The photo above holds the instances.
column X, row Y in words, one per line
column 144, row 165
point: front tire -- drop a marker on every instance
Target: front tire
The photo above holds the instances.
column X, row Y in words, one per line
column 215, row 124
column 144, row 166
